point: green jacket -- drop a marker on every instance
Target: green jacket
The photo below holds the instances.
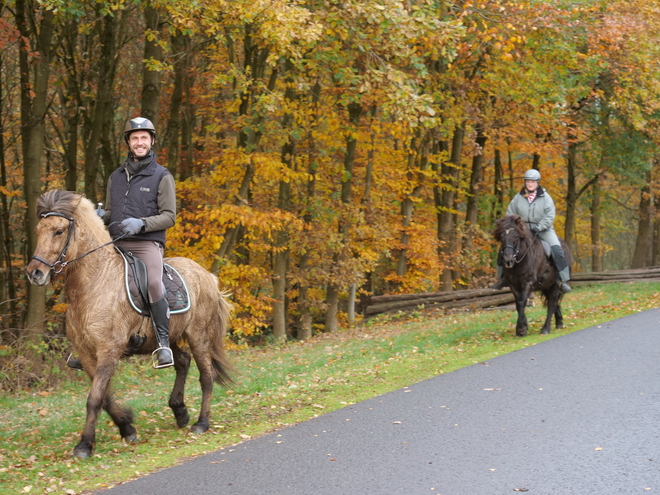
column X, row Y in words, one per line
column 540, row 213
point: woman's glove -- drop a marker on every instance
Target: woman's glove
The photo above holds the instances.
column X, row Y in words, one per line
column 132, row 226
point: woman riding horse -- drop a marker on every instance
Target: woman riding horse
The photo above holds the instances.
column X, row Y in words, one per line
column 535, row 206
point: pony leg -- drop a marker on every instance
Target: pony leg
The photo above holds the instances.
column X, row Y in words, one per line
column 521, row 302
column 122, row 417
column 559, row 317
column 206, row 381
column 95, row 400
column 176, row 402
column 551, row 298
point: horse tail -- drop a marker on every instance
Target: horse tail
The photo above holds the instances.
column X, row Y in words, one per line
column 221, row 367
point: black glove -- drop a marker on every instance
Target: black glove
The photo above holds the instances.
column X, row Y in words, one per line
column 132, row 226
column 534, row 229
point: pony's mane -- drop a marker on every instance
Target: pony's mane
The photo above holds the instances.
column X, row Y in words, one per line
column 73, row 205
column 57, row 201
column 509, row 222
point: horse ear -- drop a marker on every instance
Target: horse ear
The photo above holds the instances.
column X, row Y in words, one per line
column 519, row 221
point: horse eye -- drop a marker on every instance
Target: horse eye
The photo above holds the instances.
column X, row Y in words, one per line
column 59, row 232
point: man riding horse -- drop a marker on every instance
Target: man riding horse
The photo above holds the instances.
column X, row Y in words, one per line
column 140, row 207
column 535, row 206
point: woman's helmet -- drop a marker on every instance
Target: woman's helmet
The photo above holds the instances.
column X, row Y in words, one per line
column 532, row 174
column 139, row 124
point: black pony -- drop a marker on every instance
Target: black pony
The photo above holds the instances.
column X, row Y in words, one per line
column 526, row 268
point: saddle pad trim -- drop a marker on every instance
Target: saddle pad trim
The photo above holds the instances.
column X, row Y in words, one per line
column 130, row 297
column 185, row 286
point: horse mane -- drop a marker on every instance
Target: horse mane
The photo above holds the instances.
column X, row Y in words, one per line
column 57, row 201
column 510, row 222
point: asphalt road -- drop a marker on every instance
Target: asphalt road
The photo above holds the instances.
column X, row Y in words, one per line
column 579, row 414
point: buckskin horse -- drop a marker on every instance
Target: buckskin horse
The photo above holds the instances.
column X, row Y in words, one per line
column 526, row 268
column 73, row 242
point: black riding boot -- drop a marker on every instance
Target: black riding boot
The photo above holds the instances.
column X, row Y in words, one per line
column 74, row 363
column 160, row 315
column 563, row 270
column 500, row 284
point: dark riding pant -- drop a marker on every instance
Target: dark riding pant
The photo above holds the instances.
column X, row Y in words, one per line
column 151, row 253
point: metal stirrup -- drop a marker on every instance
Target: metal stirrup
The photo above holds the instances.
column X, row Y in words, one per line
column 154, row 359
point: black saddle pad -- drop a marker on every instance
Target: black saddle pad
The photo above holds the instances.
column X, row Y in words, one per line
column 176, row 291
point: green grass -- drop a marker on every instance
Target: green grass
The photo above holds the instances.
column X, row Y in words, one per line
column 275, row 386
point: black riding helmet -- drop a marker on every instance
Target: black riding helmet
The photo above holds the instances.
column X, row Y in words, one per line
column 140, row 124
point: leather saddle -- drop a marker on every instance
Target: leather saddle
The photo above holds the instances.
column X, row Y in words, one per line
column 135, row 277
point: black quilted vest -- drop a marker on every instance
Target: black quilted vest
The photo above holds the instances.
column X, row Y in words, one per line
column 137, row 198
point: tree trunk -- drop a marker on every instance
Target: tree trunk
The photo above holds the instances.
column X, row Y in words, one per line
column 571, row 192
column 596, row 249
column 655, row 253
column 34, row 105
column 643, row 240
column 445, row 208
column 7, row 283
column 72, row 104
column 304, row 307
column 368, row 175
column 152, row 51
column 281, row 256
column 472, row 210
column 332, row 292
column 498, row 206
column 103, row 106
column 179, row 47
column 417, row 159
column 248, row 140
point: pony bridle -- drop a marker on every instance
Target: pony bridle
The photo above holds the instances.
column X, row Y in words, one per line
column 515, row 248
column 509, row 246
column 58, row 265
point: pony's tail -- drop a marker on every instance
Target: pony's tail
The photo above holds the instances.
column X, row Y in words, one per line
column 221, row 367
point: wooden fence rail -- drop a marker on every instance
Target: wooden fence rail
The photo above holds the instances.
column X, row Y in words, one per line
column 487, row 298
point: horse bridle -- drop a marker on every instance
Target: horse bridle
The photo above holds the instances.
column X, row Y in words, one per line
column 515, row 248
column 61, row 258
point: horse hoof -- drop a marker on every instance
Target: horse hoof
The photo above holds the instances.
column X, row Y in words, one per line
column 132, row 438
column 560, row 326
column 183, row 420
column 545, row 332
column 199, row 428
column 82, row 453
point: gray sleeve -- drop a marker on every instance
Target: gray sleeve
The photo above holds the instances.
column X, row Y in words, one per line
column 511, row 209
column 166, row 205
